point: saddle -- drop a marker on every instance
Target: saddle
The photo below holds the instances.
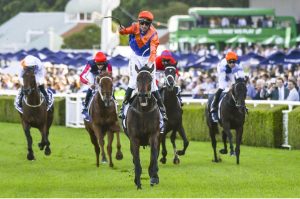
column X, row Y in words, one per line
column 223, row 94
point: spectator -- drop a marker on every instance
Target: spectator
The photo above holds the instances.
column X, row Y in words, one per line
column 293, row 94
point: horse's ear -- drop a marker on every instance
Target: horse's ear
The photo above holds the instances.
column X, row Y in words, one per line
column 137, row 69
column 97, row 79
column 240, row 80
column 151, row 69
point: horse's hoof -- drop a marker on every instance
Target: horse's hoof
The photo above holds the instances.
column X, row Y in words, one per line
column 181, row 152
column 111, row 165
column 41, row 146
column 119, row 155
column 138, row 187
column 163, row 160
column 176, row 161
column 223, row 151
column 154, row 181
column 232, row 153
column 217, row 160
column 30, row 156
column 104, row 161
column 47, row 151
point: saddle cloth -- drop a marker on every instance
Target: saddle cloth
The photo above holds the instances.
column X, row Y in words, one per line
column 50, row 97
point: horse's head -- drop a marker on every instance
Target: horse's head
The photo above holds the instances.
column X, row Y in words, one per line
column 144, row 80
column 29, row 80
column 239, row 93
column 170, row 72
column 105, row 88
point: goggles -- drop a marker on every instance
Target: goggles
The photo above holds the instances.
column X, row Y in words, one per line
column 144, row 22
column 231, row 61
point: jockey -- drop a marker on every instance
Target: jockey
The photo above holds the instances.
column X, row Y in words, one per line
column 93, row 68
column 143, row 40
column 227, row 70
column 39, row 72
column 164, row 60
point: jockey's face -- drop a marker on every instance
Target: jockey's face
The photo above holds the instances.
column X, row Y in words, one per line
column 144, row 25
column 165, row 62
column 100, row 65
column 231, row 63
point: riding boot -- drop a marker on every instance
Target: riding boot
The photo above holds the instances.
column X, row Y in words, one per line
column 42, row 89
column 88, row 96
column 161, row 105
column 125, row 101
column 214, row 105
column 20, row 98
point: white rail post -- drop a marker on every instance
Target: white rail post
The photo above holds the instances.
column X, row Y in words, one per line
column 285, row 121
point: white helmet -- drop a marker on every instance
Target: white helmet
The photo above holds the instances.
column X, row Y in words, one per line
column 30, row 60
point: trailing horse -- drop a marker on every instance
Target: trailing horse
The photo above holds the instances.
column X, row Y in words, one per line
column 232, row 116
column 35, row 113
column 142, row 123
column 174, row 113
column 103, row 119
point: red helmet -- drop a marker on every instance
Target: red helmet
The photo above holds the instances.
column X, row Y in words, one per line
column 146, row 15
column 100, row 57
column 166, row 54
column 231, row 56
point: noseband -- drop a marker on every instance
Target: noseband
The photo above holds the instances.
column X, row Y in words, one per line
column 234, row 98
column 171, row 76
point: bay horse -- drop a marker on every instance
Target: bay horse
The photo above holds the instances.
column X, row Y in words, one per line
column 174, row 113
column 232, row 116
column 103, row 119
column 35, row 113
column 142, row 123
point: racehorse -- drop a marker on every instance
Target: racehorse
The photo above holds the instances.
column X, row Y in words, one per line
column 232, row 116
column 35, row 113
column 174, row 113
column 103, row 119
column 142, row 123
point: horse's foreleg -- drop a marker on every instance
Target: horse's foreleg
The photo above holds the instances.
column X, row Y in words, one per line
column 119, row 154
column 224, row 138
column 153, row 167
column 214, row 144
column 26, row 128
column 176, row 157
column 164, row 150
column 96, row 146
column 110, row 137
column 185, row 140
column 239, row 135
column 229, row 134
column 135, row 151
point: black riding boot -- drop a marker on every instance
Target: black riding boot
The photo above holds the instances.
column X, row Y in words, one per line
column 20, row 99
column 214, row 105
column 42, row 89
column 125, row 101
column 161, row 105
column 88, row 96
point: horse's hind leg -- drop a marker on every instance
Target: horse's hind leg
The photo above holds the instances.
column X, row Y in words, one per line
column 101, row 142
column 30, row 155
column 224, row 138
column 153, row 167
column 239, row 134
column 164, row 150
column 119, row 154
column 176, row 157
column 110, row 137
column 212, row 133
column 185, row 140
column 229, row 134
column 96, row 145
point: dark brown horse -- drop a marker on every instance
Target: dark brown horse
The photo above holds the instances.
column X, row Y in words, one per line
column 143, row 126
column 174, row 113
column 104, row 119
column 35, row 113
column 232, row 116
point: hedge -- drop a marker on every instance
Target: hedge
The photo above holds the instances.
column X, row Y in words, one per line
column 8, row 113
column 263, row 126
column 294, row 128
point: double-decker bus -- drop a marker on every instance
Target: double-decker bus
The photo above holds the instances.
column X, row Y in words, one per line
column 223, row 26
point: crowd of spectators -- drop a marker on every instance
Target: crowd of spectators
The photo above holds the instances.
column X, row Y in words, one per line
column 279, row 82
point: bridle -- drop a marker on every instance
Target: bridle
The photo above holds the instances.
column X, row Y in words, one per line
column 234, row 98
column 169, row 76
column 99, row 87
column 148, row 93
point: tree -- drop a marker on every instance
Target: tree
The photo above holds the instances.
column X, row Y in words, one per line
column 85, row 39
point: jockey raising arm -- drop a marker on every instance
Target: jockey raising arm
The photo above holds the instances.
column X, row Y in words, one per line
column 143, row 41
column 227, row 70
column 39, row 72
column 93, row 68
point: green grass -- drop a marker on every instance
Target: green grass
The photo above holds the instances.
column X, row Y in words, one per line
column 70, row 171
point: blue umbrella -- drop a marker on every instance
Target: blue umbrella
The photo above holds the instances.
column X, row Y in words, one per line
column 119, row 61
column 187, row 60
column 251, row 55
column 293, row 57
column 275, row 58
